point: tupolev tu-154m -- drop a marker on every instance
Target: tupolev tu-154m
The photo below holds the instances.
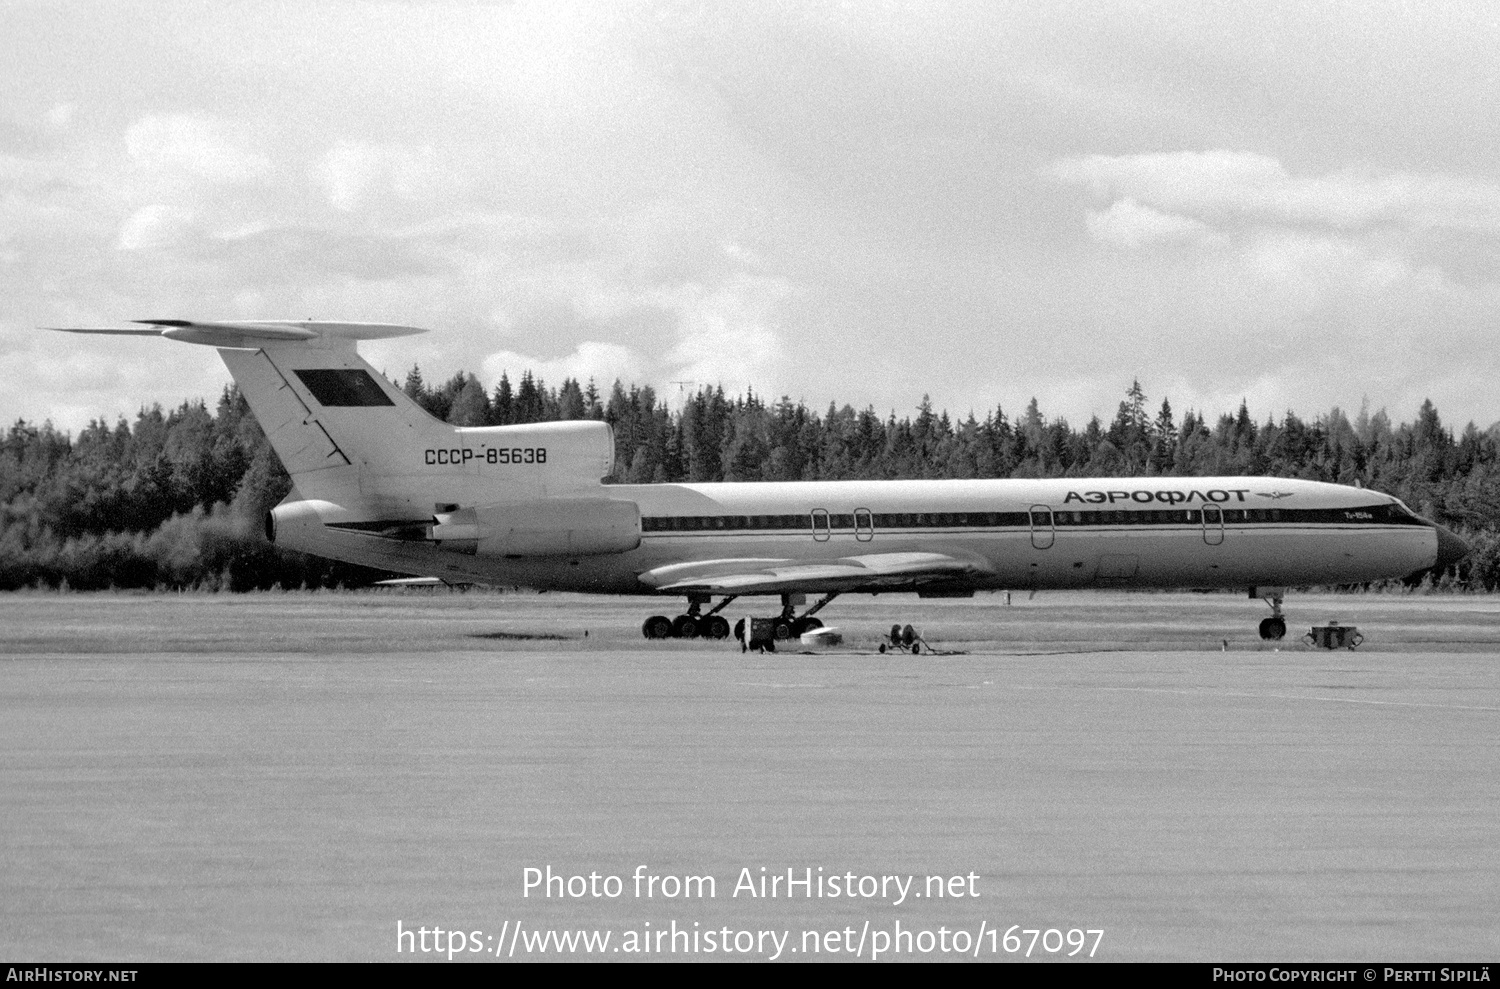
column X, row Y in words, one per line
column 378, row 481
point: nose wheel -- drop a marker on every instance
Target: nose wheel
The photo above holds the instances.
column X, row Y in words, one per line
column 1272, row 629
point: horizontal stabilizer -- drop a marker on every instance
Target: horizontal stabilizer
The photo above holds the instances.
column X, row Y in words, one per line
column 251, row 334
column 111, row 330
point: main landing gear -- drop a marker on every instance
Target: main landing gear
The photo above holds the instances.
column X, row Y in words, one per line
column 694, row 625
column 1272, row 629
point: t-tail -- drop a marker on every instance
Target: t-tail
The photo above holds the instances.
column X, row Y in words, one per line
column 364, row 457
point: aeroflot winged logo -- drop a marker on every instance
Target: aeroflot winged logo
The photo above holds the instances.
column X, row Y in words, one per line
column 1164, row 497
column 1274, row 495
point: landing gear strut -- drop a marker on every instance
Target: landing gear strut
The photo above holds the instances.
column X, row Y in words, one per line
column 695, row 624
column 1272, row 629
column 691, row 625
column 789, row 625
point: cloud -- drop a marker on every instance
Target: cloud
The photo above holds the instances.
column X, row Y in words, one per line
column 592, row 360
column 266, row 252
column 153, row 226
column 60, row 117
column 863, row 204
column 1314, row 266
column 1129, row 224
column 724, row 334
column 352, row 173
column 195, row 146
column 1226, row 186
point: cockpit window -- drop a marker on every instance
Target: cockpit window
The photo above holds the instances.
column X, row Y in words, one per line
column 1399, row 510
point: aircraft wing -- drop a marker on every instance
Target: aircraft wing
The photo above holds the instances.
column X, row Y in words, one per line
column 869, row 571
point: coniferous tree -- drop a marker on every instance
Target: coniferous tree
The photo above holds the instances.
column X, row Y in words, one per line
column 1163, row 440
column 175, row 498
column 471, row 406
column 503, row 406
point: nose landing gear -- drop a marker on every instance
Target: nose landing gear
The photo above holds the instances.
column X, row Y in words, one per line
column 1272, row 629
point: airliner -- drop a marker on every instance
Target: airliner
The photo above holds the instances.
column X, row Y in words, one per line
column 378, row 481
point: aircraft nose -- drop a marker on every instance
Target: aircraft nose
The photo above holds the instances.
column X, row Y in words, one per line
column 1450, row 549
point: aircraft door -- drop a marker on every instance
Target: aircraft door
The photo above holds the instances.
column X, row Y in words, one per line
column 1213, row 524
column 864, row 525
column 1043, row 529
column 821, row 526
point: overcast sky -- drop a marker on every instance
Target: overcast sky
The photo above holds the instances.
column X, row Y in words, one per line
column 1296, row 203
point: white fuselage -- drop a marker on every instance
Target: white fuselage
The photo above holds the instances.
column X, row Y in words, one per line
column 1020, row 534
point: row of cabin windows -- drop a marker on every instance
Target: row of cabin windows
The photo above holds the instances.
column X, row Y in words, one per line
column 864, row 521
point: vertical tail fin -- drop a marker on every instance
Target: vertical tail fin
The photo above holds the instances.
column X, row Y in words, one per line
column 334, row 421
column 349, row 437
